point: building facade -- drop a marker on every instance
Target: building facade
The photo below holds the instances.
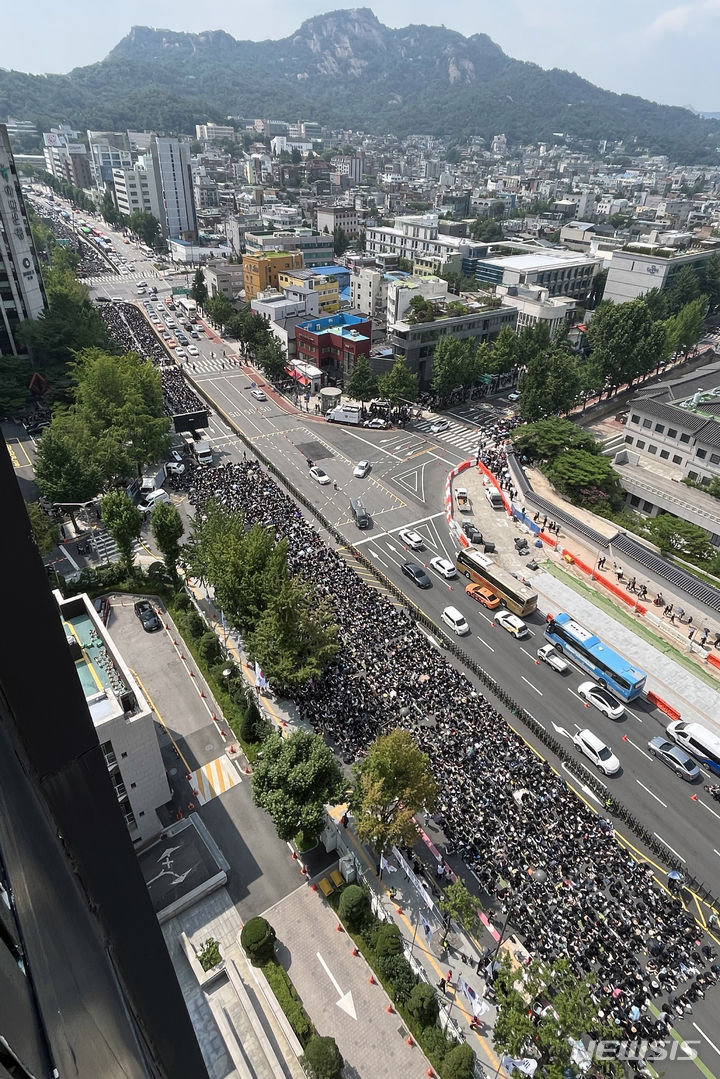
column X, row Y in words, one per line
column 347, row 218
column 334, row 343
column 316, row 250
column 22, row 293
column 223, row 278
column 418, row 238
column 133, row 192
column 417, row 343
column 562, row 273
column 261, row 271
column 108, row 150
column 172, row 178
column 535, row 305
column 325, row 288
column 634, row 272
column 67, row 159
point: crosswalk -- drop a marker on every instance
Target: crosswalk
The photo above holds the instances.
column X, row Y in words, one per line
column 213, row 778
column 105, row 547
column 458, row 434
column 207, row 365
column 118, row 278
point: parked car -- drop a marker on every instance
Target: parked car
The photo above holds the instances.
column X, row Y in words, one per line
column 147, row 615
column 595, row 750
column 319, row 475
column 444, row 567
column 417, row 574
column 512, row 624
column 674, row 757
column 411, row 539
column 484, row 595
column 377, row 423
column 601, row 699
column 361, row 469
column 259, row 395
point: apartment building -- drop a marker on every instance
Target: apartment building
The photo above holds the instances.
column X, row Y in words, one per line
column 134, row 192
column 347, row 218
column 223, row 278
column 108, row 150
column 171, row 174
column 212, row 132
column 418, row 237
column 325, row 288
column 261, row 271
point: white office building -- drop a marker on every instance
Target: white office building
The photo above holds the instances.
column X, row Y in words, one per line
column 133, row 192
column 171, row 176
column 108, row 150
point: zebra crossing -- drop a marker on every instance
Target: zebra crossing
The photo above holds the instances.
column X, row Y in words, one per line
column 208, row 365
column 458, row 434
column 105, row 549
column 118, row 278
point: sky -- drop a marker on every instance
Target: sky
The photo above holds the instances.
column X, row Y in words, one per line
column 657, row 49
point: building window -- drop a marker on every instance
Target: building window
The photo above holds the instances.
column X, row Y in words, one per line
column 628, row 438
column 672, row 432
column 640, row 444
column 702, row 454
column 664, row 454
column 634, row 500
column 714, row 459
column 660, row 428
column 677, row 459
column 647, row 424
column 652, row 449
column 692, row 475
column 684, row 438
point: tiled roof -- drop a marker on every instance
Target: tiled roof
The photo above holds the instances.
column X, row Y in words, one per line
column 671, row 413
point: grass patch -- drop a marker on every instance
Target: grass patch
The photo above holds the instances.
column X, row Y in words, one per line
column 632, row 622
column 288, row 999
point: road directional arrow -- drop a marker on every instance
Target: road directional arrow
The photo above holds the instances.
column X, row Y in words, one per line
column 346, row 1001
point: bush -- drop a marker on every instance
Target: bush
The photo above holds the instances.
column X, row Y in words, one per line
column 253, row 727
column 459, row 1063
column 354, row 906
column 210, row 955
column 388, row 940
column 209, row 647
column 323, row 1059
column 289, row 1001
column 182, row 601
column 434, row 1044
column 258, row 940
column 399, row 973
column 422, row 1004
column 196, row 626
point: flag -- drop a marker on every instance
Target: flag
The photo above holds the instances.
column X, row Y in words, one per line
column 260, row 681
column 427, row 928
column 526, row 1065
column 385, row 865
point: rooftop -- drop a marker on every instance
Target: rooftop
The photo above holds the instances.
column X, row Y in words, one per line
column 543, row 260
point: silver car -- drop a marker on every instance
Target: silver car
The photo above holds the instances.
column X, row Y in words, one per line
column 674, row 757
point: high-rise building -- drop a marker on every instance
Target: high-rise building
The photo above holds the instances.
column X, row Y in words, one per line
column 108, row 150
column 88, row 988
column 67, row 158
column 134, row 192
column 22, row 294
column 171, row 176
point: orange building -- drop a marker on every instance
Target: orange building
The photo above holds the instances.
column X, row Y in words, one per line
column 262, row 271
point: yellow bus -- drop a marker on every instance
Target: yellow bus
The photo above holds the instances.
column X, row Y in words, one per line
column 480, row 569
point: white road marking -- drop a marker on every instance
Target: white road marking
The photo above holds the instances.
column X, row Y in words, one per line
column 704, row 1035
column 538, row 691
column 399, row 528
column 631, row 743
column 683, row 860
column 532, row 657
column 379, row 557
column 647, row 789
column 709, row 809
column 485, row 643
column 374, row 445
column 561, row 730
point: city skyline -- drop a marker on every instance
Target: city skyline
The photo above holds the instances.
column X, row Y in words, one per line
column 626, row 48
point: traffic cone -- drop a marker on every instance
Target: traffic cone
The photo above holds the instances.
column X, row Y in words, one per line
column 354, row 952
column 371, row 980
column 294, row 855
column 202, row 693
column 339, row 928
column 390, row 1010
column 191, row 674
column 624, row 738
column 232, row 749
column 693, row 797
column 409, row 1040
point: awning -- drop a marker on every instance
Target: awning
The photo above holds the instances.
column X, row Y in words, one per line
column 302, row 380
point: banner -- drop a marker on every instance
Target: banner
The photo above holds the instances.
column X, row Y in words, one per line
column 260, row 682
column 525, row 1065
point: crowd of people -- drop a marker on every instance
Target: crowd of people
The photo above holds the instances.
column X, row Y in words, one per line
column 92, row 262
column 502, row 809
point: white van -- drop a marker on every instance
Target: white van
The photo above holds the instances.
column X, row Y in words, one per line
column 455, row 619
column 153, row 499
column 699, row 741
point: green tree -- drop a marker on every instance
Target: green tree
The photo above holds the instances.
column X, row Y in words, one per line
column 588, row 479
column 550, row 384
column 362, row 383
column 258, row 938
column 710, row 280
column 294, row 780
column 219, row 308
column 683, row 289
column 167, row 528
column 295, row 637
column 146, row 226
column 393, row 783
column 452, row 365
column 532, row 341
column 460, row 905
column 272, row 359
column 547, row 439
column 486, row 229
column 626, row 343
column 323, row 1059
column 108, row 210
column 459, row 1063
column 123, row 521
column 198, row 290
column 46, row 532
column 423, row 1005
column 656, row 302
column 686, row 327
column 341, row 241
column 66, row 471
column 505, row 353
column 675, row 536
column 400, row 384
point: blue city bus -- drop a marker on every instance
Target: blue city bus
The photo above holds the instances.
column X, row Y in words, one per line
column 607, row 668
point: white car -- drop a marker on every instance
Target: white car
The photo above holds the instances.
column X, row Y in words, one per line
column 444, row 567
column 319, row 475
column 193, row 350
column 180, row 352
column 511, row 623
column 361, row 469
column 411, row 539
column 457, row 622
column 259, row 395
column 513, row 396
column 595, row 750
column 602, row 700
column 439, row 426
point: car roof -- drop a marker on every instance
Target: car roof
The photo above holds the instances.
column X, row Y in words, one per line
column 592, row 739
column 453, row 612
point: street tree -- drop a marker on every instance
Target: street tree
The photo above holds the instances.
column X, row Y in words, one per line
column 272, row 359
column 587, row 479
column 341, row 241
column 532, row 341
column 323, row 1059
column 362, row 383
column 452, row 365
column 710, row 280
column 167, row 528
column 295, row 637
column 626, row 343
column 46, row 532
column 400, row 384
column 294, row 780
column 685, row 329
column 684, row 289
column 460, row 905
column 66, row 471
column 219, row 308
column 550, row 384
column 123, row 521
column 198, row 290
column 146, row 226
column 505, row 353
column 544, row 440
column 393, row 783
column 673, row 535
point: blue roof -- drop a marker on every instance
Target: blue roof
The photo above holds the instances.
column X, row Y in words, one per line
column 340, row 322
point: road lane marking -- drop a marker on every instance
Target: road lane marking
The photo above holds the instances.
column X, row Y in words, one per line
column 658, row 836
column 489, row 646
column 538, row 691
column 379, row 557
column 709, row 809
column 631, row 743
column 647, row 789
column 704, row 1035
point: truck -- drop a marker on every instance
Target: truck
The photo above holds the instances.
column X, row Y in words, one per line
column 153, row 478
column 344, row 414
column 203, row 452
column 494, row 497
column 549, row 654
column 463, row 500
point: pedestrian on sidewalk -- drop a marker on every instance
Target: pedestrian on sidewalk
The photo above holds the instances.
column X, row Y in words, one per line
column 691, row 633
column 441, row 985
column 448, row 977
column 704, row 636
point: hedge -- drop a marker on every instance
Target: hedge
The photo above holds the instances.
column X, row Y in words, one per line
column 289, row 1001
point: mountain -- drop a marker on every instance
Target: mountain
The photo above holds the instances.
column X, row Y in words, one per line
column 347, row 70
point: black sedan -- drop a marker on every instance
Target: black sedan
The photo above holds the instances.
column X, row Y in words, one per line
column 417, row 574
column 147, row 615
